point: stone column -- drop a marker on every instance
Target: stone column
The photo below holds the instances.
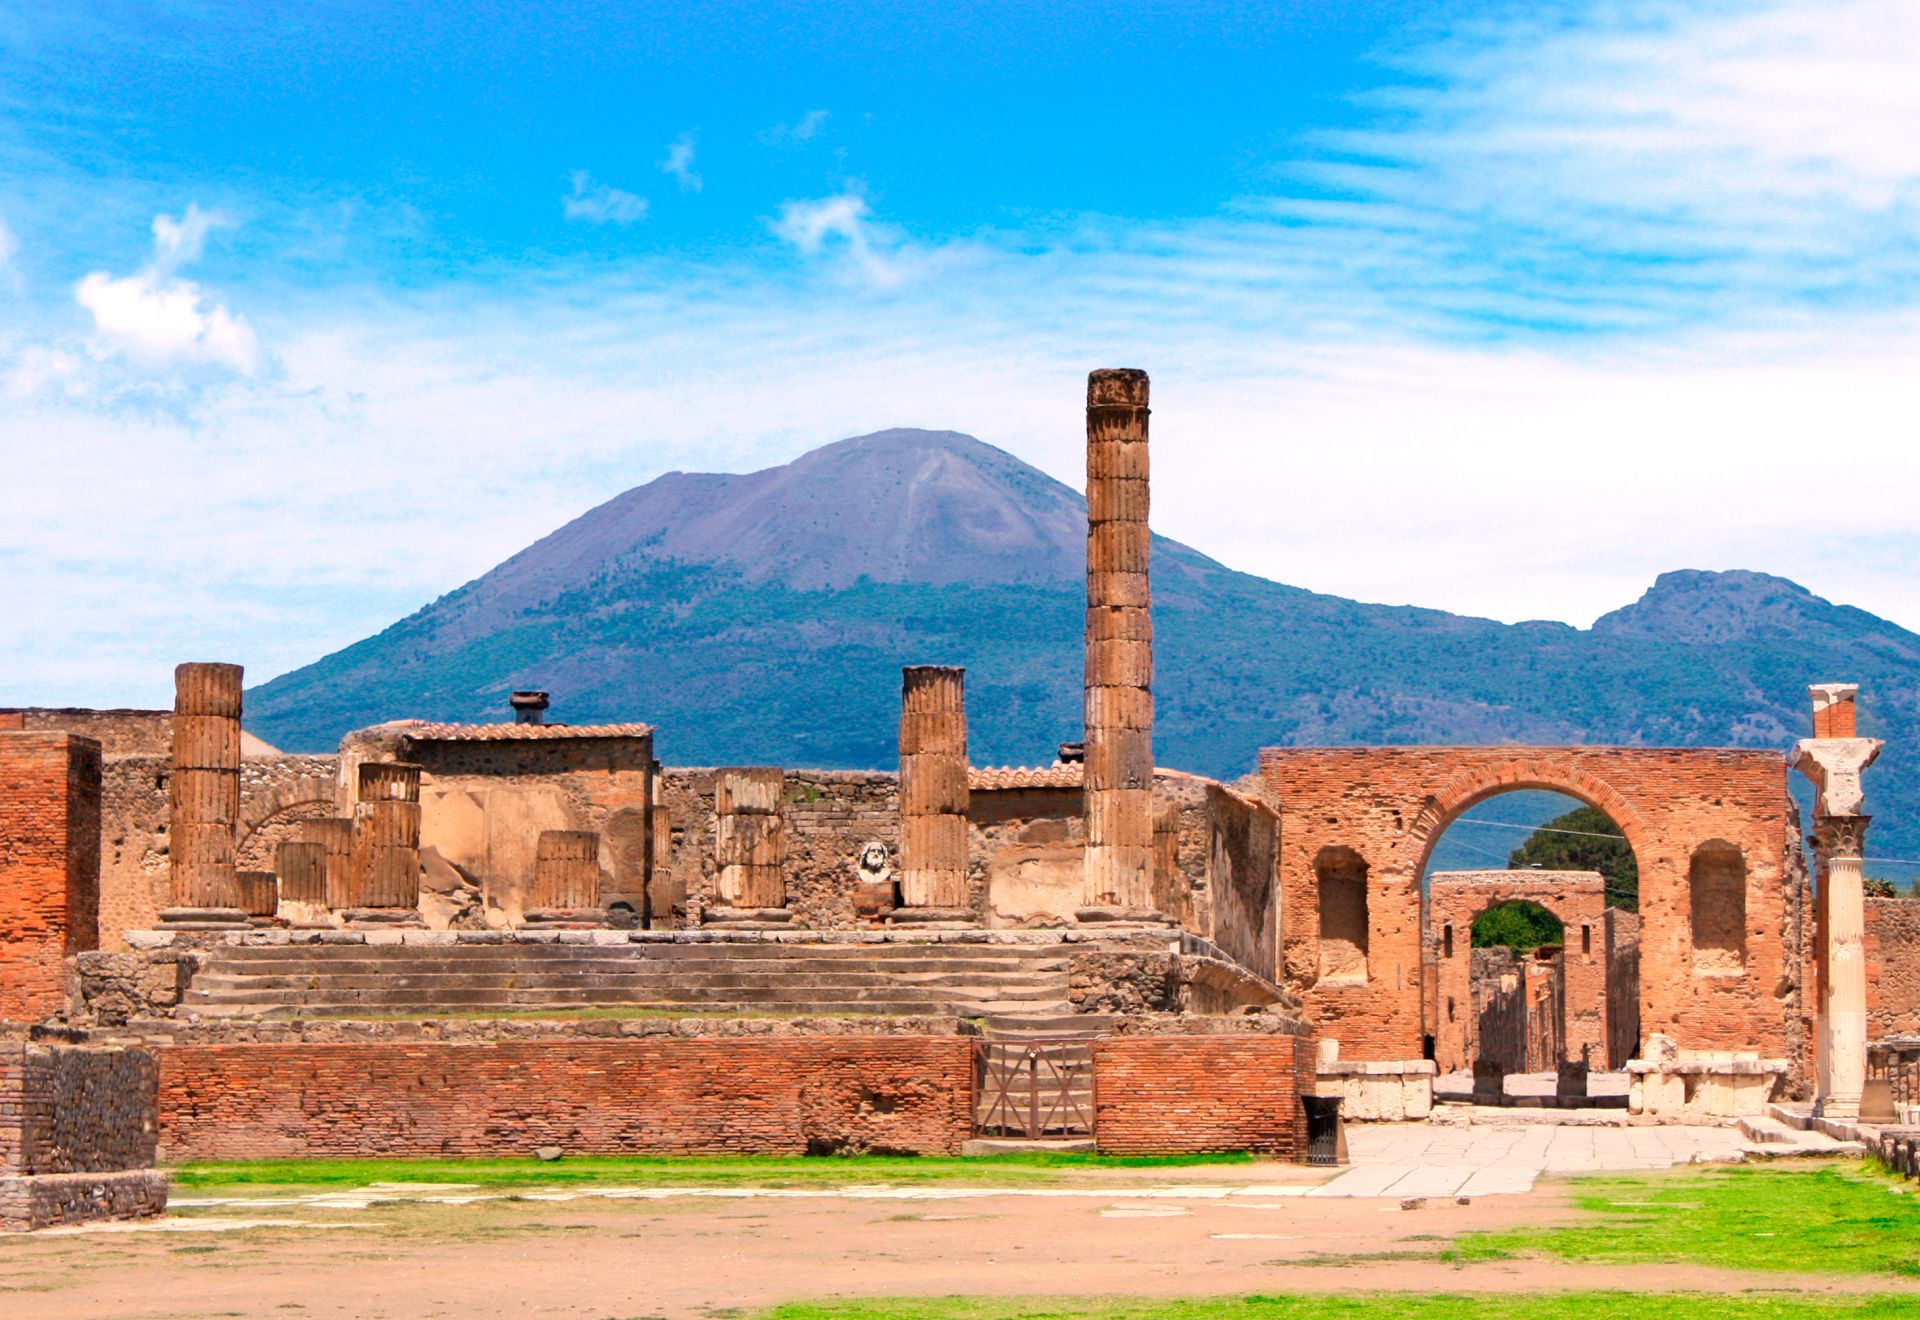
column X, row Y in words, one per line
column 205, row 797
column 386, row 844
column 566, row 879
column 259, row 895
column 933, row 797
column 750, row 848
column 1834, row 759
column 1119, row 654
column 661, row 889
column 335, row 838
column 1838, row 843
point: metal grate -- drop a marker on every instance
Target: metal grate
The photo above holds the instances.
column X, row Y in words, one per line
column 1037, row 1088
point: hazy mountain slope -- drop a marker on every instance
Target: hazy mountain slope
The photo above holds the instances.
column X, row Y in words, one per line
column 764, row 617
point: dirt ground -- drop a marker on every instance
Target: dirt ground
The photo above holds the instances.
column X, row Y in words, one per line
column 697, row 1256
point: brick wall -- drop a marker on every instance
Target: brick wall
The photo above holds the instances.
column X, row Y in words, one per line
column 67, row 1110
column 1188, row 1094
column 49, row 866
column 773, row 1096
column 1893, row 967
column 1390, row 804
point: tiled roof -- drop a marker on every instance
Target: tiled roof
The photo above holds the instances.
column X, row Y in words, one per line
column 987, row 778
column 519, row 732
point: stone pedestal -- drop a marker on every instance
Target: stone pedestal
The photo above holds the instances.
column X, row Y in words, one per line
column 1119, row 651
column 204, row 798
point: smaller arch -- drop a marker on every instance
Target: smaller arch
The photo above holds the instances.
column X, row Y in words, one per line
column 1341, row 877
column 1552, row 931
column 1717, row 908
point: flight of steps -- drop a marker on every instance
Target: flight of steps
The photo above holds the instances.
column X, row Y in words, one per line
column 1006, row 983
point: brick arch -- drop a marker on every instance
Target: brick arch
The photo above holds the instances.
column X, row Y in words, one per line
column 1390, row 805
column 305, row 797
column 1470, row 788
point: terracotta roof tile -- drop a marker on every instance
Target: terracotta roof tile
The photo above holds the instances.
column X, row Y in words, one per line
column 987, row 778
column 520, row 732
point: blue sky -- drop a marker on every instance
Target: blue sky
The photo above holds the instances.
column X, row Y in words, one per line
column 309, row 313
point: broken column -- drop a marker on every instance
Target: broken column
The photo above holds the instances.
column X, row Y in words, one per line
column 933, row 796
column 302, row 866
column 1834, row 759
column 566, row 879
column 1119, row 654
column 259, row 895
column 335, row 837
column 750, row 849
column 204, row 789
column 386, row 845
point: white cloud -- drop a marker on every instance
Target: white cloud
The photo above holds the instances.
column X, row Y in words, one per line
column 9, row 249
column 679, row 163
column 598, row 203
column 156, row 319
column 179, row 242
column 878, row 255
column 804, row 129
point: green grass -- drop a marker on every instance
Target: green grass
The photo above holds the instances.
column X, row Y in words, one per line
column 1832, row 1219
column 1562, row 1306
column 635, row 1170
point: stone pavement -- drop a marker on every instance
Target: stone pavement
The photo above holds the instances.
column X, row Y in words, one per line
column 1425, row 1159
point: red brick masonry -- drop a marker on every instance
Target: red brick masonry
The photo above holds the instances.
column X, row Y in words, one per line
column 49, row 866
column 910, row 1095
column 1176, row 1095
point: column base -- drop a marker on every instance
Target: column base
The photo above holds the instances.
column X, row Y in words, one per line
column 1846, row 1108
column 931, row 918
column 729, row 918
column 1123, row 916
column 207, row 918
column 384, row 917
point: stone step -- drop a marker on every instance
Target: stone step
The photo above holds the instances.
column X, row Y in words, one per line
column 1016, row 985
column 1767, row 1131
column 587, row 994
column 826, row 1008
column 679, row 970
column 778, row 950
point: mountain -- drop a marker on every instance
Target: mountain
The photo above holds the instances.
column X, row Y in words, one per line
column 763, row 618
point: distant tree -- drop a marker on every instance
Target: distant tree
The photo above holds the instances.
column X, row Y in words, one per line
column 1584, row 840
column 1874, row 887
column 1520, row 926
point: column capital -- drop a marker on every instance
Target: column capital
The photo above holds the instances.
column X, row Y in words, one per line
column 1840, row 836
column 1834, row 765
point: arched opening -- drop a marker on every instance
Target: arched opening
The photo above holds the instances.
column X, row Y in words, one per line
column 1342, row 877
column 1531, row 951
column 1717, row 909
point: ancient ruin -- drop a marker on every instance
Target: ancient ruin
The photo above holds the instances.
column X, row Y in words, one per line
column 890, row 961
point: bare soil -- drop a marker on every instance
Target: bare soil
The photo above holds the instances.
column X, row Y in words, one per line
column 686, row 1257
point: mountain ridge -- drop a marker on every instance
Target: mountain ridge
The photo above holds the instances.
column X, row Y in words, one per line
column 764, row 616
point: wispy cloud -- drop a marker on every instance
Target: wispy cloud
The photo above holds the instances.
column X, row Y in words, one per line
column 156, row 319
column 842, row 228
column 596, row 203
column 679, row 163
column 804, row 129
column 9, row 249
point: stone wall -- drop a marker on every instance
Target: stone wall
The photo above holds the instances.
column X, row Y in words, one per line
column 1384, row 808
column 1893, row 967
column 49, row 866
column 77, row 1135
column 1623, row 986
column 1243, row 882
column 119, row 732
column 276, row 792
column 1455, row 899
column 1192, row 1094
column 782, row 1096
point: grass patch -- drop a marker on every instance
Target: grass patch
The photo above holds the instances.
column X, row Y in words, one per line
column 1831, row 1219
column 669, row 1170
column 1376, row 1306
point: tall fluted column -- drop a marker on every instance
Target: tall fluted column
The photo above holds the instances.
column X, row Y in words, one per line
column 386, row 843
column 204, row 789
column 1119, row 651
column 933, row 795
column 1839, row 842
column 750, row 849
column 1835, row 758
